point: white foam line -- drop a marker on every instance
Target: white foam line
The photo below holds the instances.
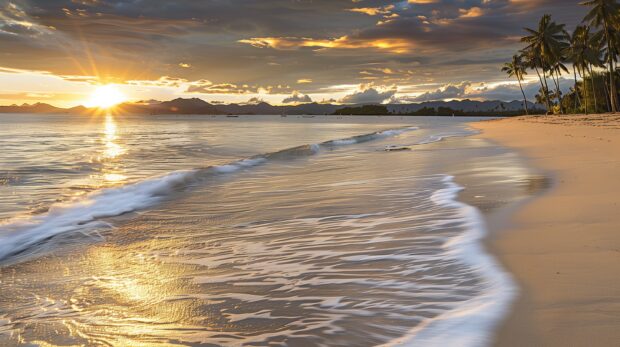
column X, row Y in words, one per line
column 472, row 322
column 19, row 234
column 84, row 213
column 368, row 137
column 441, row 137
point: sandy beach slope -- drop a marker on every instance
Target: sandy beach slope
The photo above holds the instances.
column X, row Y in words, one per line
column 563, row 248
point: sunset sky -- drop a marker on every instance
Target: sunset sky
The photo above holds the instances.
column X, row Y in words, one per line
column 280, row 51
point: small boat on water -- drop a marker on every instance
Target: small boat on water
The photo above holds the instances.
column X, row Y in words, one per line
column 232, row 116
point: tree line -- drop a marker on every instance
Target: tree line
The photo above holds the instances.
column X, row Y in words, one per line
column 591, row 51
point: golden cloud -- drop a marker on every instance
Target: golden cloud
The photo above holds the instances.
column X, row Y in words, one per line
column 373, row 11
column 471, row 13
column 422, row 1
column 394, row 45
column 164, row 81
column 207, row 87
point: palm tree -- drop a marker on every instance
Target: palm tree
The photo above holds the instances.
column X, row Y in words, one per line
column 575, row 54
column 605, row 14
column 533, row 61
column 548, row 43
column 582, row 53
column 542, row 97
column 596, row 43
column 516, row 68
column 556, row 73
column 611, row 53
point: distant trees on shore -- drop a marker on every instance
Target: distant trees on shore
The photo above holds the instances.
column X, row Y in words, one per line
column 366, row 110
column 381, row 110
column 591, row 50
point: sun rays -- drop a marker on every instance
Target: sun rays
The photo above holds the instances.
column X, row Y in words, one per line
column 105, row 97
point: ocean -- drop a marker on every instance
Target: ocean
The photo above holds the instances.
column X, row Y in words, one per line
column 251, row 231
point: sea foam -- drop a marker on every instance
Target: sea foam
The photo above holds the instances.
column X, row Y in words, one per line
column 473, row 321
column 29, row 234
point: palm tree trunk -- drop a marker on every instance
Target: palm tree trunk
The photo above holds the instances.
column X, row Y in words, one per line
column 546, row 92
column 524, row 98
column 593, row 85
column 577, row 99
column 542, row 86
column 612, row 81
column 557, row 91
column 585, row 89
column 607, row 94
column 615, row 86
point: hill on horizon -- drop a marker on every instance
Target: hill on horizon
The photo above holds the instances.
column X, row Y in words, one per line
column 199, row 106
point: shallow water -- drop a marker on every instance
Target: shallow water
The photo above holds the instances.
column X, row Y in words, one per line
column 200, row 230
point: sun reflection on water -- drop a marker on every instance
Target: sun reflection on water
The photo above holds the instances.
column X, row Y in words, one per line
column 134, row 300
column 111, row 172
column 114, row 177
column 113, row 149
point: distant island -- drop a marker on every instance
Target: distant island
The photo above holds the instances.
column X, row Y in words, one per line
column 199, row 106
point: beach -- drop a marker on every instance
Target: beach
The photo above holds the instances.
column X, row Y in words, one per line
column 256, row 230
column 563, row 247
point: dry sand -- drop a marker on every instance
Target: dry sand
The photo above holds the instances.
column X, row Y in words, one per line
column 563, row 248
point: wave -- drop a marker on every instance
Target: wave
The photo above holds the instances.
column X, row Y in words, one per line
column 23, row 237
column 472, row 322
column 440, row 137
column 433, row 138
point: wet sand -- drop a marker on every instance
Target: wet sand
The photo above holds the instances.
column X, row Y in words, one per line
column 563, row 247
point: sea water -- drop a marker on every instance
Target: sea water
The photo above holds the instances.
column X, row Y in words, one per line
column 256, row 230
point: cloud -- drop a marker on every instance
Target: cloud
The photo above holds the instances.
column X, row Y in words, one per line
column 373, row 11
column 208, row 87
column 254, row 101
column 510, row 91
column 368, row 95
column 297, row 98
column 449, row 91
column 471, row 13
column 505, row 91
column 164, row 81
column 311, row 45
column 15, row 21
column 394, row 45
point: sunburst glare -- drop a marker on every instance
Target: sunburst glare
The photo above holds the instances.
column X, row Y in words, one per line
column 106, row 97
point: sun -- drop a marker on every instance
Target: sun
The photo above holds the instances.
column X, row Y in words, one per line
column 105, row 97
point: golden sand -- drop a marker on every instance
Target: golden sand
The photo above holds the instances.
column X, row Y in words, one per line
column 563, row 247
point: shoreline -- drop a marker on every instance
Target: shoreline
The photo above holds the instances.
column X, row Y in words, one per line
column 562, row 246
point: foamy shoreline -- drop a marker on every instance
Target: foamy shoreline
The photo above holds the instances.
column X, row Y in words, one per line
column 563, row 247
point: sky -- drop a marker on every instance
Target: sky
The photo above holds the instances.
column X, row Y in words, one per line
column 279, row 51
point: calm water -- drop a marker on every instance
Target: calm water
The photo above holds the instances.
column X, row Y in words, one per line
column 201, row 230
